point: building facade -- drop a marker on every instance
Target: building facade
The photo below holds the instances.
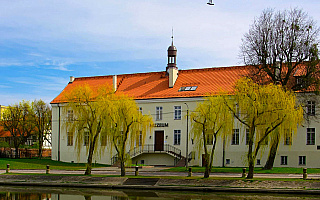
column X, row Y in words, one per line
column 168, row 96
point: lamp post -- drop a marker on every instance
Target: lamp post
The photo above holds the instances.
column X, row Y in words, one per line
column 187, row 143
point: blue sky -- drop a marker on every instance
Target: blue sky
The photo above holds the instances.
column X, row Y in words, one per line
column 43, row 42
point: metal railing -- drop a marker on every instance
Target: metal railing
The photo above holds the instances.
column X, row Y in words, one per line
column 151, row 148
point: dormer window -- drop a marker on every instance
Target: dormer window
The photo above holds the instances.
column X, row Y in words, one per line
column 188, row 88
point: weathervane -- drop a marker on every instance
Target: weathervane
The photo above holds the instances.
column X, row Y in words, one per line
column 210, row 3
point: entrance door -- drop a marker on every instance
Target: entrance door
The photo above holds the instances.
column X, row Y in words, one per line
column 158, row 140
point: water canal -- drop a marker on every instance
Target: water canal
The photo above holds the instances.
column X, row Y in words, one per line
column 42, row 193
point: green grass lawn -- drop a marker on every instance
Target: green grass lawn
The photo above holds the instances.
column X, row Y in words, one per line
column 24, row 163
column 276, row 170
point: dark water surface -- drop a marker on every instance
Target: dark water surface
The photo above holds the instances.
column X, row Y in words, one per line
column 45, row 193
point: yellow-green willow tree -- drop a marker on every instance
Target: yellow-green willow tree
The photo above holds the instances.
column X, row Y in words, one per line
column 128, row 127
column 87, row 118
column 210, row 120
column 264, row 109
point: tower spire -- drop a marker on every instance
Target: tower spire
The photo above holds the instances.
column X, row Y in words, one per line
column 172, row 69
column 172, row 37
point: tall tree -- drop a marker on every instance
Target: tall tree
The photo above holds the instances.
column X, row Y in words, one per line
column 42, row 112
column 86, row 118
column 18, row 119
column 280, row 45
column 264, row 109
column 128, row 126
column 210, row 121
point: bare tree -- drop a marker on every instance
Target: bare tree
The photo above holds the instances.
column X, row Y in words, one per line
column 278, row 44
column 282, row 48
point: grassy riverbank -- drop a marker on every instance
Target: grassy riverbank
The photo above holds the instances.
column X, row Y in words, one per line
column 24, row 163
column 275, row 170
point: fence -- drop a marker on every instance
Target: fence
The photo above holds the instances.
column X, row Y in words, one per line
column 23, row 153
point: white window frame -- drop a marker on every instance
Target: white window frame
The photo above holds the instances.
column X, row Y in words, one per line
column 70, row 116
column 159, row 110
column 311, row 107
column 86, row 138
column 302, row 160
column 284, row 160
column 70, row 139
column 177, row 137
column 103, row 140
column 209, row 139
column 287, row 137
column 235, row 137
column 247, row 136
column 177, row 112
column 311, row 136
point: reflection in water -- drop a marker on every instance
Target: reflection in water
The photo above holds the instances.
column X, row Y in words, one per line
column 24, row 196
column 40, row 193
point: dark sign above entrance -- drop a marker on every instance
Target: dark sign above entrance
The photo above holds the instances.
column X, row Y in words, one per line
column 161, row 124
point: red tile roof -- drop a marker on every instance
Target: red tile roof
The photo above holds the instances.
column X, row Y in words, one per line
column 155, row 85
column 4, row 133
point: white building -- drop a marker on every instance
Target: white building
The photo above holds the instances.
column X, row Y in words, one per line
column 167, row 96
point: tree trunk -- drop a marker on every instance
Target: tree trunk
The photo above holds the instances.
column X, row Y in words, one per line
column 123, row 168
column 17, row 152
column 207, row 172
column 251, row 159
column 207, row 166
column 272, row 153
column 89, row 161
column 40, row 146
column 251, row 168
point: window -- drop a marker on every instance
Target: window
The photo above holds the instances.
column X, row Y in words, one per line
column 311, row 132
column 247, row 136
column 103, row 140
column 171, row 60
column 302, row 160
column 140, row 139
column 177, row 137
column 86, row 138
column 288, row 137
column 237, row 110
column 140, row 110
column 177, row 112
column 159, row 113
column 209, row 139
column 311, row 107
column 235, row 137
column 70, row 115
column 70, row 139
column 227, row 161
column 284, row 160
column 258, row 162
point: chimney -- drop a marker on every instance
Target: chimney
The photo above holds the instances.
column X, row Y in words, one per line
column 173, row 75
column 71, row 79
column 114, row 83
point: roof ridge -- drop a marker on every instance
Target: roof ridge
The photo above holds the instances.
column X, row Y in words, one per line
column 119, row 75
column 212, row 68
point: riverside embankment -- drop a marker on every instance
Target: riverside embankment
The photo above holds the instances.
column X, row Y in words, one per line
column 160, row 182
